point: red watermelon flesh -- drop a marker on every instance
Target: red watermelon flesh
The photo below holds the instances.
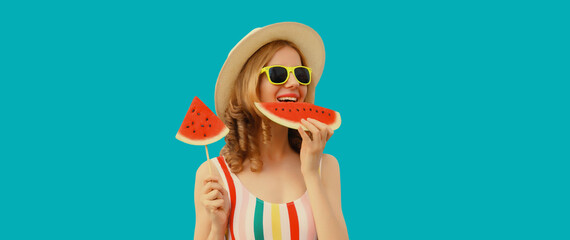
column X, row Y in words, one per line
column 289, row 114
column 200, row 125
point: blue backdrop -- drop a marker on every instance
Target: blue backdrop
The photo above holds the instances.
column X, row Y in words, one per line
column 455, row 114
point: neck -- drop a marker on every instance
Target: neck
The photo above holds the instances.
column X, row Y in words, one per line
column 278, row 146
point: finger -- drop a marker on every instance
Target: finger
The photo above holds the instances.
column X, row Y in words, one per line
column 214, row 204
column 215, row 194
column 330, row 132
column 207, row 187
column 317, row 123
column 325, row 129
column 322, row 128
column 210, row 196
column 218, row 203
column 305, row 129
column 314, row 130
column 303, row 134
column 310, row 126
column 211, row 179
column 213, row 186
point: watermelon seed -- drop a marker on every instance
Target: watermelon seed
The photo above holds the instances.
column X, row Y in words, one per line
column 210, row 125
column 329, row 114
column 192, row 122
column 303, row 109
column 187, row 126
column 275, row 109
column 289, row 110
column 282, row 109
column 310, row 109
column 323, row 111
column 297, row 109
column 206, row 119
column 202, row 125
column 193, row 131
column 198, row 114
column 204, row 134
column 193, row 110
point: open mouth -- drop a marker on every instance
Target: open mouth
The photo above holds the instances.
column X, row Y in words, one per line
column 287, row 99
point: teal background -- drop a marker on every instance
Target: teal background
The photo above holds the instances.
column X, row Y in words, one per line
column 455, row 114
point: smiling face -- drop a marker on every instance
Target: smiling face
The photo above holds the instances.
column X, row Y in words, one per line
column 290, row 90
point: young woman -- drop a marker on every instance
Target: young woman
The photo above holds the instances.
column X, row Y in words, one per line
column 270, row 182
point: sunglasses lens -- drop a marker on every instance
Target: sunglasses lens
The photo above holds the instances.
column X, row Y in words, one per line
column 278, row 75
column 303, row 75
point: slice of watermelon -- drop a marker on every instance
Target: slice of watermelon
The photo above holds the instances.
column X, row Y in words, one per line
column 200, row 125
column 289, row 114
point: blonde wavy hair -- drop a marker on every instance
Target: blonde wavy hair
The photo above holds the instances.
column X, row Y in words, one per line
column 244, row 120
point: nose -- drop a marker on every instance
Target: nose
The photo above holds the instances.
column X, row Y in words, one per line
column 292, row 81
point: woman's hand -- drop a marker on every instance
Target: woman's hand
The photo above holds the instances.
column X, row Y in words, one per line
column 215, row 199
column 312, row 148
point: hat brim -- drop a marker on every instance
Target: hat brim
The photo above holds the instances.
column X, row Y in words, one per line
column 307, row 40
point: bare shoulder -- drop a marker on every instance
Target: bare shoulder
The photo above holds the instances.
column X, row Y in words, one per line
column 330, row 161
column 203, row 171
column 330, row 166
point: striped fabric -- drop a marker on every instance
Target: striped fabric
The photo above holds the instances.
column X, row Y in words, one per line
column 253, row 218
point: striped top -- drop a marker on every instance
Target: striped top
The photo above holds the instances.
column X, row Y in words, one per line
column 253, row 218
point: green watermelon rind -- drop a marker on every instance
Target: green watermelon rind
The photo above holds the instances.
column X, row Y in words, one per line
column 293, row 124
column 206, row 141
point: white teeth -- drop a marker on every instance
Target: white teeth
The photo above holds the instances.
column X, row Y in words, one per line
column 281, row 99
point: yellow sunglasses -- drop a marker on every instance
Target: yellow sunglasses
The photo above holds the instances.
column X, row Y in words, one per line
column 279, row 75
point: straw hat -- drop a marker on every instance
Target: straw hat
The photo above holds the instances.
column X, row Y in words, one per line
column 308, row 41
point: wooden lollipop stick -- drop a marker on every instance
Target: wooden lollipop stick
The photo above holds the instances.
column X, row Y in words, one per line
column 208, row 159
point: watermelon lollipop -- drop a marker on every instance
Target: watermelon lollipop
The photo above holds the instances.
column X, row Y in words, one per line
column 201, row 127
column 289, row 114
